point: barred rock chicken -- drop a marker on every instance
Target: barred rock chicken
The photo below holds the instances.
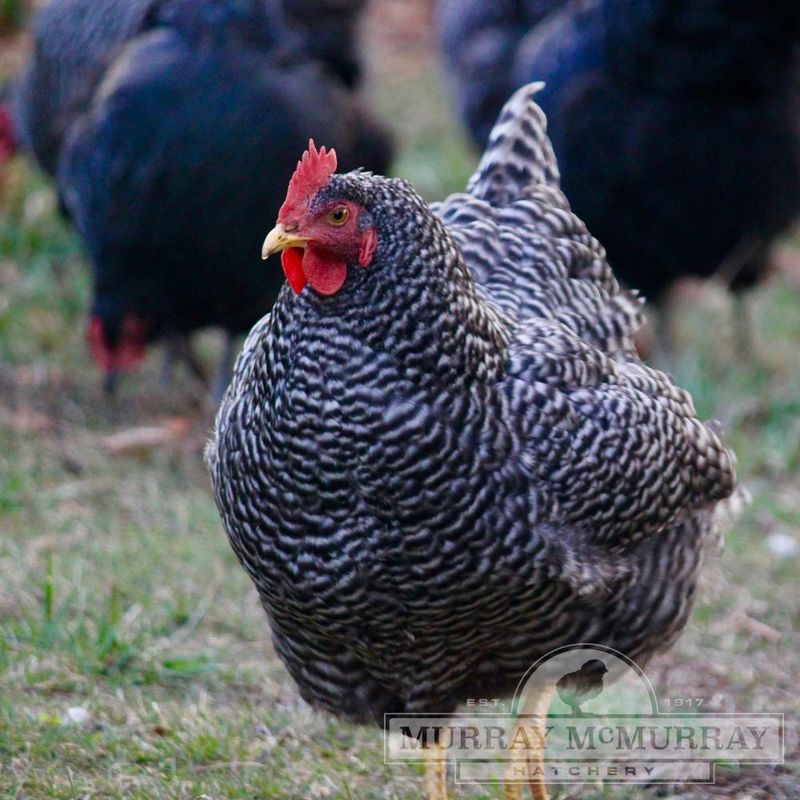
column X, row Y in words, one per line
column 184, row 152
column 440, row 457
column 676, row 124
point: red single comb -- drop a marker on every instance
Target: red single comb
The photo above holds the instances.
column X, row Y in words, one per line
column 312, row 173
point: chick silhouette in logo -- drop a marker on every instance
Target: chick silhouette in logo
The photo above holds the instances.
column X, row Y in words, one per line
column 586, row 683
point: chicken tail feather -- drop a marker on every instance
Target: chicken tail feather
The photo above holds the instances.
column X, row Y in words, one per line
column 519, row 153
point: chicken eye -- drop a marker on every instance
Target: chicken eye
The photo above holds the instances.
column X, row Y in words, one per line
column 338, row 216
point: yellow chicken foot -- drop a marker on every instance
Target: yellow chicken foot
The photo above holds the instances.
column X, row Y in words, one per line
column 529, row 760
column 435, row 772
column 512, row 791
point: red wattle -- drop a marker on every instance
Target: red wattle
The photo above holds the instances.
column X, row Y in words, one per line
column 98, row 347
column 292, row 262
column 8, row 143
column 127, row 353
column 325, row 273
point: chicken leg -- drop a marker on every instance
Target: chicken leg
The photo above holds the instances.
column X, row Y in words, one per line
column 224, row 369
column 177, row 348
column 744, row 326
column 529, row 761
column 435, row 771
column 750, row 257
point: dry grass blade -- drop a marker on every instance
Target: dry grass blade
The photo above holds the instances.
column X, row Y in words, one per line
column 132, row 441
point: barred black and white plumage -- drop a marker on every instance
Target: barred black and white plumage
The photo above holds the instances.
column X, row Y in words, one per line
column 457, row 462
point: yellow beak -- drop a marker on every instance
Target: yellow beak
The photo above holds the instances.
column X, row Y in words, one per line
column 279, row 239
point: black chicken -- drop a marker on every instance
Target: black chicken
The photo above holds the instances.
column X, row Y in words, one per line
column 676, row 123
column 440, row 457
column 75, row 40
column 8, row 136
column 181, row 157
column 329, row 31
column 479, row 42
column 72, row 42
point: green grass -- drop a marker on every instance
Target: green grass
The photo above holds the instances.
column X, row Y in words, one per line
column 120, row 596
column 12, row 14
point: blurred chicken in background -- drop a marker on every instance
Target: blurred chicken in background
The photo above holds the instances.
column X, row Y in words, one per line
column 72, row 43
column 676, row 123
column 8, row 139
column 329, row 29
column 76, row 39
column 173, row 127
column 12, row 17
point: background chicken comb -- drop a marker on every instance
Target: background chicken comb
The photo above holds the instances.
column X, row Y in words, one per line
column 312, row 173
